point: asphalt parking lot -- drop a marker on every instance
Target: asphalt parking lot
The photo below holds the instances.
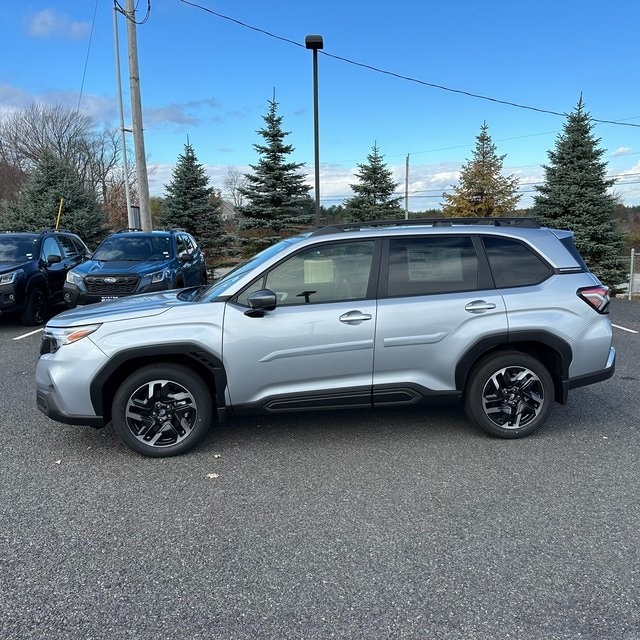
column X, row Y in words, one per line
column 390, row 524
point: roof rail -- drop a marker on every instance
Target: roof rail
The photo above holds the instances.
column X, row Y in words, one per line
column 127, row 229
column 434, row 222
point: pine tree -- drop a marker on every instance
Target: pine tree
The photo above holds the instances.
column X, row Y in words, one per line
column 483, row 191
column 276, row 198
column 373, row 199
column 38, row 203
column 575, row 196
column 191, row 204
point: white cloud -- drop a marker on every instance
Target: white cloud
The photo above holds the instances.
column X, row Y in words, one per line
column 47, row 24
column 622, row 151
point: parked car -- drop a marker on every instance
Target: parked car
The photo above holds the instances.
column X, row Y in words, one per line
column 132, row 261
column 33, row 267
column 498, row 313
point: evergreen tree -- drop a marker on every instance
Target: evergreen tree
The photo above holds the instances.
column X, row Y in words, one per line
column 191, row 204
column 575, row 196
column 276, row 200
column 373, row 199
column 483, row 191
column 38, row 203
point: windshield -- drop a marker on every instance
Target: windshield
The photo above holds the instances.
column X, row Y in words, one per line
column 134, row 248
column 16, row 250
column 219, row 287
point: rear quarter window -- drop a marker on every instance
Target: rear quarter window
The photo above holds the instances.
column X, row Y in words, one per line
column 513, row 264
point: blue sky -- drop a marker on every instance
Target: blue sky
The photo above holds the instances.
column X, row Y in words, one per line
column 210, row 78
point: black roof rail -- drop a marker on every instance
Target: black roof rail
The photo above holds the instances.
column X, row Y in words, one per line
column 127, row 229
column 434, row 222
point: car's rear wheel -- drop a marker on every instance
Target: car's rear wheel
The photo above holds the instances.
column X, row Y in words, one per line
column 35, row 311
column 509, row 394
column 162, row 410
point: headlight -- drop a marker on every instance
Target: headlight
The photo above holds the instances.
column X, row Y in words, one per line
column 10, row 278
column 159, row 276
column 54, row 338
column 74, row 278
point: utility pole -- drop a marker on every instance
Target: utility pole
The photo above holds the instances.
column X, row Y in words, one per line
column 406, row 189
column 125, row 164
column 136, row 118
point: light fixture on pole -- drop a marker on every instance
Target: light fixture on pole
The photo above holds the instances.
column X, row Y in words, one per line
column 315, row 43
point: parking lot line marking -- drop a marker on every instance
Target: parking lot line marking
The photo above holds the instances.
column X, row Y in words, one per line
column 26, row 335
column 617, row 326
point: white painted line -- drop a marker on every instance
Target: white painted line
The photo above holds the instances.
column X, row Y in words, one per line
column 26, row 335
column 617, row 326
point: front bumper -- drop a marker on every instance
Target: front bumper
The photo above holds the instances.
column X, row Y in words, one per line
column 48, row 402
column 63, row 383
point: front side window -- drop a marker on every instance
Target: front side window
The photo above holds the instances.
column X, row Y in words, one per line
column 431, row 264
column 50, row 248
column 324, row 273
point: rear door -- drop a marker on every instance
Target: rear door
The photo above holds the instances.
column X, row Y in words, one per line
column 436, row 299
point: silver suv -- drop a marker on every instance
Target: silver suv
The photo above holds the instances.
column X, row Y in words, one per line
column 499, row 313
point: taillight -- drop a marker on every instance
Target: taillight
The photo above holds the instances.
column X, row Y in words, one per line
column 596, row 297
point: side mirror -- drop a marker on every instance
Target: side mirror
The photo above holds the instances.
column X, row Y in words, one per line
column 186, row 257
column 53, row 260
column 261, row 301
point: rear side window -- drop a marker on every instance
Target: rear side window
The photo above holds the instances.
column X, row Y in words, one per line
column 513, row 264
column 421, row 266
column 68, row 246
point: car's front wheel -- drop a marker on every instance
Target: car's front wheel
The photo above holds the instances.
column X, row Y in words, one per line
column 509, row 394
column 162, row 410
column 35, row 310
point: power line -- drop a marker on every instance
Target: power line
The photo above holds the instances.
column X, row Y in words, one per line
column 124, row 12
column 404, row 77
column 86, row 60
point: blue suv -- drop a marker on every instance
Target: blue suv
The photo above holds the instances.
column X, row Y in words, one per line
column 132, row 261
column 33, row 266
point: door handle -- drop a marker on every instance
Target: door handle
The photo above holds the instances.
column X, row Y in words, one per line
column 354, row 317
column 479, row 306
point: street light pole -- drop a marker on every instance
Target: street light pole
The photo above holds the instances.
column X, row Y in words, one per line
column 315, row 43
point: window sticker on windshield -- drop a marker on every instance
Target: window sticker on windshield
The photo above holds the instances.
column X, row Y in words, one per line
column 435, row 265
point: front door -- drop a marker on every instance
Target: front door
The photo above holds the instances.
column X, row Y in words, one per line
column 315, row 350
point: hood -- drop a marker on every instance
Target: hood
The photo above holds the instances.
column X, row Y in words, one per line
column 6, row 267
column 99, row 267
column 142, row 305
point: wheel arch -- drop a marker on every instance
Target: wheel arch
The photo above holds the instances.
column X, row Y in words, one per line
column 206, row 365
column 554, row 353
column 37, row 281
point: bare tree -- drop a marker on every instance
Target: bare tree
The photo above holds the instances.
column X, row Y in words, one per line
column 234, row 182
column 26, row 135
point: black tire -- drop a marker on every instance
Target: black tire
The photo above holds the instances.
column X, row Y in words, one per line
column 35, row 311
column 162, row 410
column 509, row 394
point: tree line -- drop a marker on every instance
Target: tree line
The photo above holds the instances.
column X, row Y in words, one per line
column 53, row 159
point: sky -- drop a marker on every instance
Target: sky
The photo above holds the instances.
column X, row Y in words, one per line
column 415, row 78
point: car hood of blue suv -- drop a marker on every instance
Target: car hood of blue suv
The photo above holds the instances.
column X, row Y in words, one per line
column 141, row 268
column 6, row 267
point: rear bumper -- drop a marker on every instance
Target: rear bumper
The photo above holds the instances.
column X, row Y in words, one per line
column 591, row 378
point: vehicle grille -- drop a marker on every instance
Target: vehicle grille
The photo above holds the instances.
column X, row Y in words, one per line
column 111, row 285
